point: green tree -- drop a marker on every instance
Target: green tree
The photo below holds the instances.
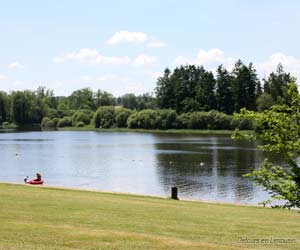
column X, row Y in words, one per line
column 279, row 132
column 246, row 86
column 264, row 101
column 129, row 101
column 277, row 84
column 103, row 98
column 4, row 107
column 82, row 99
column 224, row 91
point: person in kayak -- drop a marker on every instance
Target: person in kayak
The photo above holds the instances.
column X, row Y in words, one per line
column 38, row 177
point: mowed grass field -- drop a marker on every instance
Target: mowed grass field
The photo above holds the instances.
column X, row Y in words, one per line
column 52, row 218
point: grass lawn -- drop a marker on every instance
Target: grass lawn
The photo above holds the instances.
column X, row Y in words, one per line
column 49, row 218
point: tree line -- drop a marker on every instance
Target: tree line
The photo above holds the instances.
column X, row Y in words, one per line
column 191, row 94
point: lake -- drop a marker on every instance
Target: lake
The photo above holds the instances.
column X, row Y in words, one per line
column 207, row 167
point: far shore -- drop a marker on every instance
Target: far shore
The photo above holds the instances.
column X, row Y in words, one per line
column 168, row 131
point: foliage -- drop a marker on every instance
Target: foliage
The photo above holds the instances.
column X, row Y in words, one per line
column 277, row 85
column 64, row 122
column 121, row 117
column 146, row 119
column 264, row 101
column 205, row 120
column 48, row 123
column 80, row 124
column 104, row 117
column 167, row 119
column 84, row 116
column 279, row 131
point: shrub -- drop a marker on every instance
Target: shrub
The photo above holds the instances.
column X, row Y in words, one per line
column 204, row 120
column 121, row 117
column 8, row 125
column 182, row 121
column 48, row 123
column 84, row 116
column 218, row 120
column 167, row 119
column 64, row 122
column 104, row 117
column 52, row 113
column 242, row 123
column 80, row 124
column 45, row 120
column 146, row 119
column 55, row 121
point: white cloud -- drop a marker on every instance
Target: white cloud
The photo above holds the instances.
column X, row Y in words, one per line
column 3, row 77
column 125, row 36
column 290, row 64
column 182, row 60
column 154, row 43
column 135, row 87
column 210, row 59
column 103, row 78
column 156, row 75
column 143, row 60
column 91, row 56
column 16, row 65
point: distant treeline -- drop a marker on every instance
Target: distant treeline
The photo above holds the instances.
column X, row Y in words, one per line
column 187, row 97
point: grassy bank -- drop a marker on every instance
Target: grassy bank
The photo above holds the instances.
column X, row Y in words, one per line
column 170, row 131
column 48, row 218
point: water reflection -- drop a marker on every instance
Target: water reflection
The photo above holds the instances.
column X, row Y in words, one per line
column 203, row 167
column 214, row 172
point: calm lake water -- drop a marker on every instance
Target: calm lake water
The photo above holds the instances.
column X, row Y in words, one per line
column 201, row 166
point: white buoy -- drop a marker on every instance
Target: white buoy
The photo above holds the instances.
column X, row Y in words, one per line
column 201, row 164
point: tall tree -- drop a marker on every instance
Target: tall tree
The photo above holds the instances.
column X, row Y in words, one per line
column 224, row 91
column 4, row 107
column 277, row 84
column 82, row 99
column 246, row 86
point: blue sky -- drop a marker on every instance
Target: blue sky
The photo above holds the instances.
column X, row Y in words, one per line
column 123, row 46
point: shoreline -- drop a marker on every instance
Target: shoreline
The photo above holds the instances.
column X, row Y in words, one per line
column 158, row 131
column 63, row 188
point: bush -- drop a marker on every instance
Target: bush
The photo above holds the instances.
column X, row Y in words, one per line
column 104, row 117
column 182, row 121
column 8, row 125
column 145, row 119
column 48, row 123
column 242, row 123
column 218, row 120
column 204, row 120
column 121, row 117
column 84, row 116
column 167, row 119
column 52, row 113
column 64, row 122
column 55, row 121
column 80, row 124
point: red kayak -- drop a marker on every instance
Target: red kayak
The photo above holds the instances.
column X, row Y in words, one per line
column 35, row 182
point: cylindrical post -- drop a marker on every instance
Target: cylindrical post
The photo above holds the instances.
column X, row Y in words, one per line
column 174, row 193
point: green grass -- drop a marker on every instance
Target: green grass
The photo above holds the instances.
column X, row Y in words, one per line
column 52, row 218
column 170, row 131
